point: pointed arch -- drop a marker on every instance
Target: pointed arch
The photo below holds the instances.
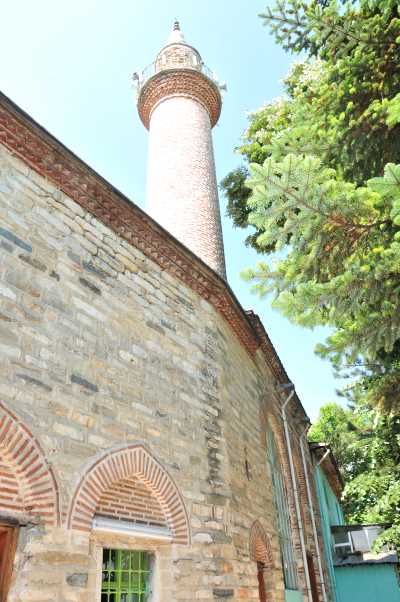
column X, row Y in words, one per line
column 27, row 481
column 122, row 464
column 260, row 545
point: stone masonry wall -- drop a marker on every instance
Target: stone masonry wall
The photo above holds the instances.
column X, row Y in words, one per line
column 102, row 350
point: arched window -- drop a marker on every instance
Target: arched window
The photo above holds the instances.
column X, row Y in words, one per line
column 283, row 515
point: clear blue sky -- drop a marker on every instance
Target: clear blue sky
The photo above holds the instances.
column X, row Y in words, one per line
column 69, row 65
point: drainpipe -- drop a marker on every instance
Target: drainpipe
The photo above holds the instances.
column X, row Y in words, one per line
column 310, row 504
column 295, row 490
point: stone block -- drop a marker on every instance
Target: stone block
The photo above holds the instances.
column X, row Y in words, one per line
column 8, row 235
column 77, row 579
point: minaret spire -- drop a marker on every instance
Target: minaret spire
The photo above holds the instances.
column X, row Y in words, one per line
column 179, row 103
column 176, row 36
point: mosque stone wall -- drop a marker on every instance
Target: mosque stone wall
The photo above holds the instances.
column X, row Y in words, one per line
column 114, row 372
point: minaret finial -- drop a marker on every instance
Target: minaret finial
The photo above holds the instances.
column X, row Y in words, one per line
column 176, row 36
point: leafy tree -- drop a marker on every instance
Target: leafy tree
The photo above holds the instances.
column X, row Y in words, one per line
column 324, row 186
column 336, row 427
column 366, row 445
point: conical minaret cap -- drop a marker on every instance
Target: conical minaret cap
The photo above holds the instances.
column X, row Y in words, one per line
column 178, row 54
column 176, row 36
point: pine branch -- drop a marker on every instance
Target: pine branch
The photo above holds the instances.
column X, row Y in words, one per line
column 302, row 26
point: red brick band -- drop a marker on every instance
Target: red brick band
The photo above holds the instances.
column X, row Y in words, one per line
column 117, row 466
column 27, row 482
column 178, row 82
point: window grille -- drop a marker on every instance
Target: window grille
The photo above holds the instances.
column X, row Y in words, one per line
column 283, row 515
column 126, row 576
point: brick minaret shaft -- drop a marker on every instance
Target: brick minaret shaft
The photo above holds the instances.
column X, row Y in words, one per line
column 179, row 103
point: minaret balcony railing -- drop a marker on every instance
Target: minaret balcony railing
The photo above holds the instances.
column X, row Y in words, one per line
column 141, row 78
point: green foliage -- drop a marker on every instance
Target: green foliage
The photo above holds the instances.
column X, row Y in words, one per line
column 237, row 194
column 339, row 428
column 393, row 111
column 342, row 266
column 265, row 124
column 366, row 445
column 325, row 185
column 343, row 103
column 357, row 45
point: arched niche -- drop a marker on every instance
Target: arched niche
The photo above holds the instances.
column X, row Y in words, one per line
column 261, row 553
column 27, row 482
column 260, row 545
column 128, row 467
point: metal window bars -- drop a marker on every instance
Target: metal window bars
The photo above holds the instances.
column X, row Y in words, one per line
column 125, row 576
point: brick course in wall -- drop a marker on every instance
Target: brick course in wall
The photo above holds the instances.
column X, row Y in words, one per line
column 131, row 500
column 47, row 157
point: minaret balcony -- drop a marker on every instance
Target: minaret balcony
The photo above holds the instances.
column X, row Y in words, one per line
column 172, row 64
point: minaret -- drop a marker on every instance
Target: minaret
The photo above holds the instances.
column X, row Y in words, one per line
column 179, row 102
